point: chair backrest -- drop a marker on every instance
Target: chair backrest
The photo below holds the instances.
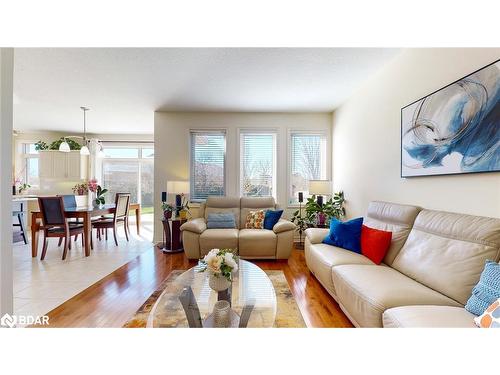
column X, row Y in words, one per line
column 248, row 204
column 52, row 209
column 69, row 200
column 122, row 202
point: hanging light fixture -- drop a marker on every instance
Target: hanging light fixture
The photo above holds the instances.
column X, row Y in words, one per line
column 101, row 153
column 64, row 146
column 84, row 150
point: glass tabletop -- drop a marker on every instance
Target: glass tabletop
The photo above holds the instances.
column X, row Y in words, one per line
column 250, row 287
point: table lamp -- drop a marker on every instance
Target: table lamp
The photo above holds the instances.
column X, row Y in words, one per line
column 320, row 188
column 178, row 188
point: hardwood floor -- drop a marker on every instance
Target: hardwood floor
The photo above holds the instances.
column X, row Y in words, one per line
column 114, row 299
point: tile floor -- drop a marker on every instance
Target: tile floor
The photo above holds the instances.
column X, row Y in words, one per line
column 40, row 286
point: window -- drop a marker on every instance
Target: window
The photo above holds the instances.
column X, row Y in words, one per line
column 208, row 154
column 30, row 156
column 257, row 164
column 128, row 168
column 308, row 162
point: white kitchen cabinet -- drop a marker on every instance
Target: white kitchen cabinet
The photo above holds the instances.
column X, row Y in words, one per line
column 58, row 165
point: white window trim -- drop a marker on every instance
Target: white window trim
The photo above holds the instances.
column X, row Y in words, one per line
column 24, row 160
column 190, row 158
column 290, row 132
column 274, row 131
column 139, row 159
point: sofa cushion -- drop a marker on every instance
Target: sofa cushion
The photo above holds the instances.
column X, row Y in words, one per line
column 428, row 317
column 219, row 220
column 257, row 243
column 218, row 239
column 491, row 316
column 255, row 220
column 248, row 204
column 271, row 218
column 366, row 291
column 320, row 259
column 346, row 235
column 447, row 251
column 223, row 205
column 392, row 217
column 487, row 289
column 375, row 243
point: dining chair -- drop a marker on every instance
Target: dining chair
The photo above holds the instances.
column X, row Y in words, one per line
column 20, row 223
column 69, row 202
column 55, row 223
column 122, row 205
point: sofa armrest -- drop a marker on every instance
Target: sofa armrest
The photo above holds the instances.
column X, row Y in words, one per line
column 196, row 225
column 316, row 235
column 283, row 225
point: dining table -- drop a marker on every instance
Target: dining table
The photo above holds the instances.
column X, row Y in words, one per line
column 86, row 213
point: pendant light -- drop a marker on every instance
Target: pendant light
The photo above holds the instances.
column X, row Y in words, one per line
column 64, row 146
column 84, row 150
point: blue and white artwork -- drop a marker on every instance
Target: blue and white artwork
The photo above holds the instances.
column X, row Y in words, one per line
column 455, row 129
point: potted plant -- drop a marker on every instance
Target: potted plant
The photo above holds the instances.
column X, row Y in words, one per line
column 80, row 189
column 167, row 210
column 99, row 192
column 220, row 264
column 321, row 215
column 301, row 224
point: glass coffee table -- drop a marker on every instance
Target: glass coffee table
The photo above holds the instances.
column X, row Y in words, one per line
column 252, row 298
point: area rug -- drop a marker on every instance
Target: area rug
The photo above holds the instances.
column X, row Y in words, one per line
column 287, row 314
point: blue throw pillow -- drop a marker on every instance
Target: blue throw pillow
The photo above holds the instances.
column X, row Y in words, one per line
column 271, row 218
column 346, row 235
column 221, row 221
column 486, row 291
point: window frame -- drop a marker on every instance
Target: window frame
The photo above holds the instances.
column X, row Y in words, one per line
column 139, row 160
column 218, row 131
column 25, row 156
column 259, row 131
column 290, row 133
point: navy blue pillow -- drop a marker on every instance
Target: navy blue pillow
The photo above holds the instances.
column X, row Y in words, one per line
column 271, row 218
column 346, row 235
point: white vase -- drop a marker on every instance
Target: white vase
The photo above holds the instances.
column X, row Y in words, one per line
column 218, row 283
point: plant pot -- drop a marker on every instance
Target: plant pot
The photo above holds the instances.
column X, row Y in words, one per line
column 222, row 310
column 183, row 214
column 321, row 218
column 167, row 214
column 218, row 283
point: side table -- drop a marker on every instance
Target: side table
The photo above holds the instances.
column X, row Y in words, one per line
column 172, row 235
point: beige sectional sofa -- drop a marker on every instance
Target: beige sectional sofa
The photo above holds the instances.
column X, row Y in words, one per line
column 426, row 277
column 251, row 243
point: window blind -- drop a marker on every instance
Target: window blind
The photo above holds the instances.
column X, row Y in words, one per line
column 257, row 164
column 308, row 162
column 208, row 152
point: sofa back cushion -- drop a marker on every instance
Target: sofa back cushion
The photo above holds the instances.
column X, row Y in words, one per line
column 223, row 205
column 248, row 204
column 447, row 251
column 392, row 217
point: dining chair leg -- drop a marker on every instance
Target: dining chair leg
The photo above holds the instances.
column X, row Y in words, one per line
column 67, row 244
column 91, row 240
column 114, row 234
column 98, row 234
column 44, row 248
column 83, row 240
column 60, row 241
column 125, row 229
column 20, row 219
column 76, row 237
column 106, row 233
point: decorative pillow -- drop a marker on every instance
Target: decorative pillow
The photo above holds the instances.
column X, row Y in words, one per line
column 375, row 243
column 491, row 317
column 486, row 291
column 345, row 234
column 255, row 220
column 221, row 220
column 271, row 218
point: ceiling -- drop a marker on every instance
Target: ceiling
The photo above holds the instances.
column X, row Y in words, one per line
column 124, row 86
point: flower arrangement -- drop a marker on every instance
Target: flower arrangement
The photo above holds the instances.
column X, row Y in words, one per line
column 80, row 189
column 220, row 263
column 94, row 187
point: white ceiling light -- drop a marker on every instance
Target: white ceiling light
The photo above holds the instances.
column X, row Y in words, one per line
column 84, row 150
column 64, row 146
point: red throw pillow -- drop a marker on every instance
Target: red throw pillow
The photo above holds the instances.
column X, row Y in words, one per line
column 375, row 243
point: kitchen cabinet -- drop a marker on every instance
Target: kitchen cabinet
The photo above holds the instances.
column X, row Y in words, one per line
column 69, row 166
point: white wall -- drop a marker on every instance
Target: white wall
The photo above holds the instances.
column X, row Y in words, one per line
column 172, row 144
column 6, row 118
column 366, row 137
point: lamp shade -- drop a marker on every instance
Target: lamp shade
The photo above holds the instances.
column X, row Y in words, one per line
column 84, row 151
column 320, row 187
column 177, row 187
column 64, row 147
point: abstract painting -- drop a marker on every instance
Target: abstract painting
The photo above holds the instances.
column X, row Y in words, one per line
column 455, row 129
